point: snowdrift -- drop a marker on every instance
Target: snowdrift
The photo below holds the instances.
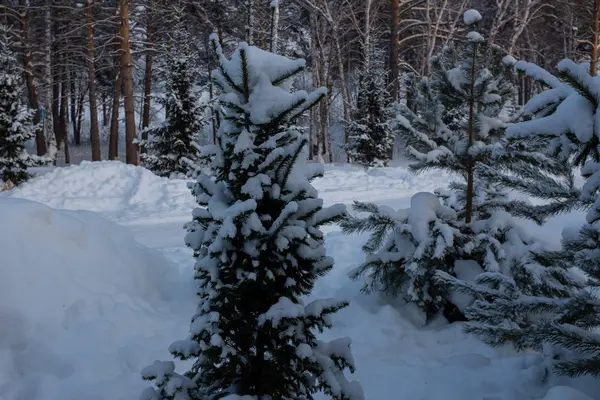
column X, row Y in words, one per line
column 72, row 286
column 115, row 189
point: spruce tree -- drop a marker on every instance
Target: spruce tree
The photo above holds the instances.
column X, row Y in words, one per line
column 371, row 137
column 173, row 145
column 455, row 126
column 259, row 250
column 16, row 120
column 457, row 119
column 550, row 304
column 406, row 248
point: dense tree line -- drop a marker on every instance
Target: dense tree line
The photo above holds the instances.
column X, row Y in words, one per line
column 86, row 63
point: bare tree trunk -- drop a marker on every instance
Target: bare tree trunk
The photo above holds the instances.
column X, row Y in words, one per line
column 113, row 142
column 55, row 102
column 394, row 68
column 104, row 108
column 63, row 115
column 250, row 22
column 596, row 33
column 131, row 153
column 73, row 109
column 40, row 142
column 147, row 83
column 49, row 120
column 91, row 56
column 82, row 92
column 313, row 151
column 274, row 26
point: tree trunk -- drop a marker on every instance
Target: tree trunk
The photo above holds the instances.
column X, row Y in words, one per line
column 63, row 115
column 104, row 108
column 80, row 110
column 113, row 142
column 49, row 69
column 40, row 142
column 131, row 155
column 250, row 22
column 394, row 68
column 471, row 133
column 55, row 102
column 274, row 27
column 73, row 107
column 596, row 33
column 91, row 56
column 147, row 84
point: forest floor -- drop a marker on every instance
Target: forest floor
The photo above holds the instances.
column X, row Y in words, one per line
column 96, row 283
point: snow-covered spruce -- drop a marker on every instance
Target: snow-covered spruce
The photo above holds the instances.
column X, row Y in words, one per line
column 259, row 250
column 466, row 79
column 527, row 164
column 172, row 148
column 16, row 120
column 406, row 248
column 551, row 303
column 371, row 137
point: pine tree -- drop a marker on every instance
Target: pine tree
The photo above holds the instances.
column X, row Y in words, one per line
column 371, row 137
column 173, row 145
column 259, row 250
column 16, row 121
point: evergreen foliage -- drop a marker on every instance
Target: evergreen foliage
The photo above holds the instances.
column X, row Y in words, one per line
column 371, row 137
column 406, row 247
column 551, row 304
column 438, row 133
column 403, row 258
column 259, row 250
column 173, row 147
column 16, row 121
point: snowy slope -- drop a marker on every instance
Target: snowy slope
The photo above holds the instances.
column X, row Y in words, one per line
column 120, row 313
column 82, row 305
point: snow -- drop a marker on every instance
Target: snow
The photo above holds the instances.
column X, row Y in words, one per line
column 86, row 302
column 509, row 60
column 471, row 17
column 565, row 393
column 81, row 303
column 475, row 37
column 118, row 191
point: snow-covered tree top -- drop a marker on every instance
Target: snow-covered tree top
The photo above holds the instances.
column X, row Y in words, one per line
column 472, row 17
column 509, row 60
column 475, row 37
column 260, row 62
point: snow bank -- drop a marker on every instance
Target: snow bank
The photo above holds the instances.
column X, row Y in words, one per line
column 565, row 393
column 73, row 286
column 117, row 190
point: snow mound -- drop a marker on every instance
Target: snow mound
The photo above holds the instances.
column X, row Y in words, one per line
column 117, row 190
column 471, row 17
column 565, row 393
column 72, row 284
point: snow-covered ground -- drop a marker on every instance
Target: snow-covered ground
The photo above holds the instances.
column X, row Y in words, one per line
column 95, row 283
